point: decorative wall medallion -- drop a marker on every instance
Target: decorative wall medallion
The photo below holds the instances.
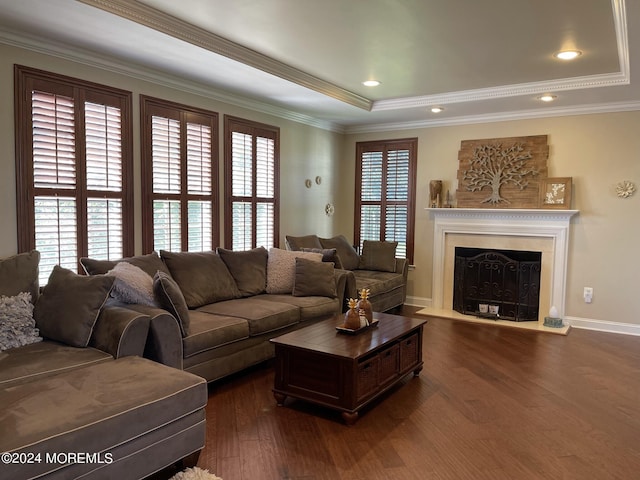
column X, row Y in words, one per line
column 307, row 183
column 318, row 180
column 625, row 189
column 329, row 209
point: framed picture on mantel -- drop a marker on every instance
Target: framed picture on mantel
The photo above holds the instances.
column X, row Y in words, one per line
column 555, row 193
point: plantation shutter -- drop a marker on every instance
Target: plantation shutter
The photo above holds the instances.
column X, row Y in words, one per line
column 385, row 193
column 179, row 162
column 252, row 166
column 74, row 155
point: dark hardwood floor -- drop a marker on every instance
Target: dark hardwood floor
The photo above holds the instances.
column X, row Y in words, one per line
column 491, row 403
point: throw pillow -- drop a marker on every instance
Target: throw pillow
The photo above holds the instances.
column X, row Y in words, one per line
column 348, row 255
column 202, row 277
column 379, row 256
column 132, row 285
column 170, row 298
column 70, row 304
column 281, row 269
column 328, row 255
column 19, row 273
column 17, row 326
column 314, row 279
column 248, row 268
column 149, row 263
column 305, row 241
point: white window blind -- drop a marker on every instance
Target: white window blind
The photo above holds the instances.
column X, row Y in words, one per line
column 385, row 193
column 183, row 168
column 68, row 213
column 252, row 161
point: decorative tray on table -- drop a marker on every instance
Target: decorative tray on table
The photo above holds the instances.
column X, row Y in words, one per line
column 342, row 329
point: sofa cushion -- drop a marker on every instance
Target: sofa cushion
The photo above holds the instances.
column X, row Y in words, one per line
column 94, row 409
column 202, row 277
column 70, row 304
column 348, row 255
column 329, row 255
column 149, row 263
column 310, row 307
column 132, row 284
column 378, row 255
column 305, row 241
column 17, row 326
column 248, row 269
column 44, row 359
column 209, row 331
column 314, row 279
column 262, row 316
column 281, row 268
column 19, row 273
column 377, row 282
column 169, row 297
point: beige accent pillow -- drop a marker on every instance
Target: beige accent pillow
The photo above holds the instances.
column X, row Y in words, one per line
column 19, row 273
column 202, row 277
column 314, row 279
column 281, row 269
column 170, row 298
column 348, row 255
column 70, row 304
column 132, row 284
column 380, row 256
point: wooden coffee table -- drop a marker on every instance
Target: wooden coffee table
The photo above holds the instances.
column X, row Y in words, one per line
column 346, row 371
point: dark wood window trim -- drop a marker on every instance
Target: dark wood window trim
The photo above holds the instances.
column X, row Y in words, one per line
column 184, row 115
column 253, row 130
column 26, row 81
column 383, row 148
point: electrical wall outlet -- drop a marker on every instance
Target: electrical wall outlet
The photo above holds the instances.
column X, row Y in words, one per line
column 588, row 294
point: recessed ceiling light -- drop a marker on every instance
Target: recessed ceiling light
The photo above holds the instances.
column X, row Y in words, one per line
column 568, row 54
column 547, row 98
column 437, row 109
column 371, row 83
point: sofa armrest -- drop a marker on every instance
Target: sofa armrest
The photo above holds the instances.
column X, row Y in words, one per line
column 120, row 331
column 346, row 284
column 164, row 343
column 402, row 266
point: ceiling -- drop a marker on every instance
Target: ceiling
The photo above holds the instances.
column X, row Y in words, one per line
column 306, row 60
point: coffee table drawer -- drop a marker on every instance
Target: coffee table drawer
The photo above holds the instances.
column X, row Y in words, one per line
column 409, row 352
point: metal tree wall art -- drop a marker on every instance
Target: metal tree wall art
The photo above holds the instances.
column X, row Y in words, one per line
column 493, row 166
column 502, row 172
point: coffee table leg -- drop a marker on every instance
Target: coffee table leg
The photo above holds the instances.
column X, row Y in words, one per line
column 280, row 398
column 349, row 417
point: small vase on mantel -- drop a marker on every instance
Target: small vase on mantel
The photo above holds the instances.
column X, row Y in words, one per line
column 365, row 305
column 351, row 317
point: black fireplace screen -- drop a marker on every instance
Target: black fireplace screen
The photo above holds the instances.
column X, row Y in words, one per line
column 501, row 284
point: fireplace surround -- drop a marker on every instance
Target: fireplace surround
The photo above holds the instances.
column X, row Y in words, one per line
column 539, row 230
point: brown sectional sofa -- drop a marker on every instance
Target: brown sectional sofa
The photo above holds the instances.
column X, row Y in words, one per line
column 82, row 403
column 376, row 269
column 218, row 310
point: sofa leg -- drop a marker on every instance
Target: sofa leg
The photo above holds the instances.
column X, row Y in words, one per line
column 189, row 461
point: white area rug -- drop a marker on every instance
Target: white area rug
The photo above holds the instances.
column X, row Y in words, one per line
column 194, row 473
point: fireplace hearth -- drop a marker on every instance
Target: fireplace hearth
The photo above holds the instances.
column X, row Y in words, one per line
column 496, row 284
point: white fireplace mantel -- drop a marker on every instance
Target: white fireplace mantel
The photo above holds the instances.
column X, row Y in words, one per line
column 531, row 224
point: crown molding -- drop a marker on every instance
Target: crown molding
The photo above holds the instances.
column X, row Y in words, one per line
column 144, row 15
column 110, row 64
column 615, row 107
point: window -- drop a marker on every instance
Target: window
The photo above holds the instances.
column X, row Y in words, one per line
column 385, row 193
column 179, row 175
column 73, row 169
column 252, row 152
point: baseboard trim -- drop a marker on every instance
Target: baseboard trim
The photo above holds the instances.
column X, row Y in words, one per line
column 575, row 322
column 603, row 326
